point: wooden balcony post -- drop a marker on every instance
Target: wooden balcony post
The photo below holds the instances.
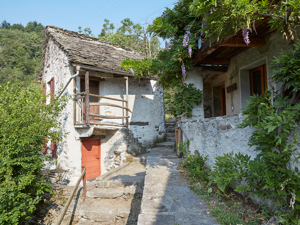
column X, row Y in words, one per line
column 126, row 101
column 87, row 98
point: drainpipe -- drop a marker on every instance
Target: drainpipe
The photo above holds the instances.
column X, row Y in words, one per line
column 77, row 73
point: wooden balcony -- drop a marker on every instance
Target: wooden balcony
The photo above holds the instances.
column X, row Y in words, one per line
column 88, row 108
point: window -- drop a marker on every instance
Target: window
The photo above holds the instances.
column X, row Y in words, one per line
column 258, row 80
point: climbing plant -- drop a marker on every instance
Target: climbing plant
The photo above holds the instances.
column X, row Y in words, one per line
column 275, row 117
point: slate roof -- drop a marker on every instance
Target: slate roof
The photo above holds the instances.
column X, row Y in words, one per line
column 91, row 51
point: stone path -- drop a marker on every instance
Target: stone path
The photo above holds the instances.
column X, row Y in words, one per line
column 166, row 199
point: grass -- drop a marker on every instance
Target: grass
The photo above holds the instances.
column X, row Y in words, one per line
column 230, row 208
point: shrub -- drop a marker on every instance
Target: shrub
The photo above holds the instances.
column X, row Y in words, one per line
column 196, row 168
column 25, row 121
column 229, row 169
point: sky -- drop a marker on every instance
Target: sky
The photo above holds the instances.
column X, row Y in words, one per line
column 70, row 15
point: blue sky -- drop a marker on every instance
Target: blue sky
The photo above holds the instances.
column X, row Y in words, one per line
column 89, row 13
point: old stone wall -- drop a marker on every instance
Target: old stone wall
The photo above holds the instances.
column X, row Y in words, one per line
column 215, row 136
column 147, row 120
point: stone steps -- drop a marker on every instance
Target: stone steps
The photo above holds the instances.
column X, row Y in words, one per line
column 167, row 144
column 112, row 193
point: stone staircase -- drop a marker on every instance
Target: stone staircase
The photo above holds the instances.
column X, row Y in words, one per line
column 170, row 143
column 115, row 199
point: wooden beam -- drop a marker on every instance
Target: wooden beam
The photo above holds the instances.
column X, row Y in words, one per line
column 87, row 99
column 215, row 61
column 108, row 117
column 99, row 96
column 126, row 103
column 239, row 42
column 108, row 104
column 208, row 47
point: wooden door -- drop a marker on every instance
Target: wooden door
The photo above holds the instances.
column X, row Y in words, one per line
column 94, row 89
column 223, row 100
column 91, row 157
column 258, row 79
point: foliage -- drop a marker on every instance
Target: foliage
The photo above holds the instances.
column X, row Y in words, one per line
column 131, row 35
column 275, row 116
column 25, row 121
column 176, row 25
column 229, row 169
column 20, row 52
column 182, row 98
column 183, row 147
column 227, row 17
column 196, row 168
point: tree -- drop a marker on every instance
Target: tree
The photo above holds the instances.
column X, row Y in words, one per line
column 5, row 25
column 25, row 121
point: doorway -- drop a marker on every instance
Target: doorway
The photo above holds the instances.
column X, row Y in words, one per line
column 91, row 157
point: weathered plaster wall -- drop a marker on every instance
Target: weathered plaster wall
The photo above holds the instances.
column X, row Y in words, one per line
column 215, row 136
column 145, row 102
column 249, row 59
column 194, row 76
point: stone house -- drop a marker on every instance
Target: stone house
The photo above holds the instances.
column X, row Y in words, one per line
column 229, row 72
column 109, row 115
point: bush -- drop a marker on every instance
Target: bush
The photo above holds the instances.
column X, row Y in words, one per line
column 197, row 168
column 229, row 169
column 25, row 121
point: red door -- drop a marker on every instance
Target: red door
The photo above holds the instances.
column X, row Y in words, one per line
column 90, row 157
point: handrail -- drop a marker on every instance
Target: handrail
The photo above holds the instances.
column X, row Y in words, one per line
column 108, row 104
column 99, row 96
column 108, row 117
column 61, row 216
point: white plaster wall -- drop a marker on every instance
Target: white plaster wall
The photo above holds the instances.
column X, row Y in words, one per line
column 216, row 136
column 194, row 76
column 68, row 150
column 145, row 102
column 249, row 59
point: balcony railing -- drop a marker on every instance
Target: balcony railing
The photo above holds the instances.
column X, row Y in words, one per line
column 83, row 110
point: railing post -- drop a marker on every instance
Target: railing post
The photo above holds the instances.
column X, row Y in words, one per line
column 126, row 101
column 84, row 184
column 87, row 98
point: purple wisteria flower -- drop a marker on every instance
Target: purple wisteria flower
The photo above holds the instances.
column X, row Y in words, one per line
column 245, row 33
column 190, row 51
column 183, row 70
column 155, row 85
column 166, row 77
column 131, row 71
column 184, row 7
column 186, row 38
column 164, row 15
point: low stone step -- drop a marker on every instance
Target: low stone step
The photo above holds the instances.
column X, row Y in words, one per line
column 170, row 134
column 170, row 129
column 106, row 210
column 167, row 144
column 111, row 193
column 171, row 139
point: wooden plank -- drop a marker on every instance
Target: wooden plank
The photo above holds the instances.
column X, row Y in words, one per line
column 93, row 137
column 74, row 101
column 108, row 104
column 109, row 117
column 126, row 101
column 99, row 96
column 239, row 42
column 215, row 61
column 87, row 99
column 108, row 124
column 139, row 123
column 81, row 93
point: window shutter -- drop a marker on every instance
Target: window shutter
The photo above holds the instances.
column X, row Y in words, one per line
column 52, row 88
column 54, row 148
column 45, row 141
column 45, row 146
